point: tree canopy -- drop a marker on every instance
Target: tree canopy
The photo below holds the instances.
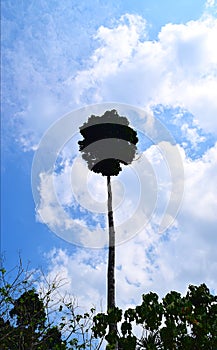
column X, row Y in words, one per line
column 108, row 142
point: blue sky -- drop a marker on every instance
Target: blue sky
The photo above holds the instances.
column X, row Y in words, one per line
column 160, row 58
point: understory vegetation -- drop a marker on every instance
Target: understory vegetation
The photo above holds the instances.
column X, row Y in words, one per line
column 42, row 318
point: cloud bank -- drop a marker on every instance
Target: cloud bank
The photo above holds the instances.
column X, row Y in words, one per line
column 122, row 64
column 177, row 70
column 185, row 254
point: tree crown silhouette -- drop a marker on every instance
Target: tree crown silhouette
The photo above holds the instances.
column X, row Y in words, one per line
column 108, row 142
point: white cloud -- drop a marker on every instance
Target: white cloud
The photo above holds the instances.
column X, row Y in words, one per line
column 83, row 274
column 121, row 64
column 180, row 68
column 43, row 44
column 191, row 135
column 150, row 190
column 201, row 194
column 185, row 254
column 190, row 256
column 51, row 212
column 86, row 271
column 210, row 3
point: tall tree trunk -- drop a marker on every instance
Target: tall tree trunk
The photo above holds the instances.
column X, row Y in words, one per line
column 111, row 258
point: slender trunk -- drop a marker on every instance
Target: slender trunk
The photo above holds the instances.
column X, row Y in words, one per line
column 111, row 259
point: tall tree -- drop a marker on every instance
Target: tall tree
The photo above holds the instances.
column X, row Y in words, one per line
column 108, row 143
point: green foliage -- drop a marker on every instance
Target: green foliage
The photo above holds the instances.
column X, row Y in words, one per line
column 30, row 329
column 30, row 321
column 149, row 313
column 176, row 322
column 108, row 142
column 29, row 310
